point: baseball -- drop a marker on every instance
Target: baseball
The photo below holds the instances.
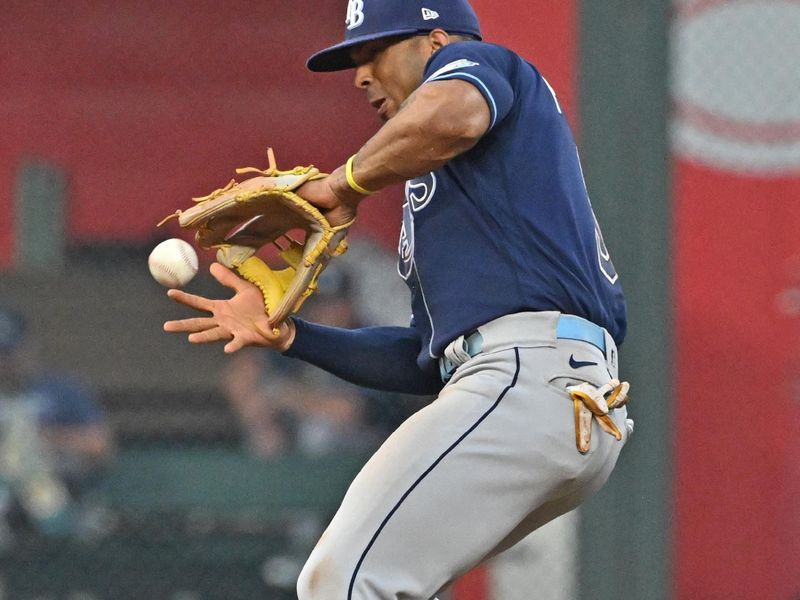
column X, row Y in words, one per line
column 173, row 263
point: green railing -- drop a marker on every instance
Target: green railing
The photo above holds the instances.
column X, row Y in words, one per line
column 185, row 524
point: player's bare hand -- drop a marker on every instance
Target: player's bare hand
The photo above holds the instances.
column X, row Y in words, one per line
column 339, row 208
column 319, row 193
column 240, row 320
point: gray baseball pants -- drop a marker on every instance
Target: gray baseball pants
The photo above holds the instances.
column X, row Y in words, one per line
column 489, row 461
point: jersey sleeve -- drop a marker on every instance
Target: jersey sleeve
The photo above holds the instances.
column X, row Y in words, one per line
column 380, row 358
column 485, row 66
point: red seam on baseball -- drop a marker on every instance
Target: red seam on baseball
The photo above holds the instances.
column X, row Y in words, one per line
column 187, row 258
column 176, row 282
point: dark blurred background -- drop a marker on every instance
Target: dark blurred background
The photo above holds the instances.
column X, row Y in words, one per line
column 133, row 466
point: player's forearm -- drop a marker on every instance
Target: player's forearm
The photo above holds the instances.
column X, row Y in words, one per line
column 437, row 124
column 381, row 358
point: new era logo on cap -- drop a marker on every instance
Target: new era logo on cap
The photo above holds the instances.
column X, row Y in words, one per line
column 429, row 15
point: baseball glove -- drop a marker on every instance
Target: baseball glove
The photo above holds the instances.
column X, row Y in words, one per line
column 242, row 217
column 590, row 402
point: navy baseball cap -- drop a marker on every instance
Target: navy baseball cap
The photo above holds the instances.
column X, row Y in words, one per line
column 369, row 20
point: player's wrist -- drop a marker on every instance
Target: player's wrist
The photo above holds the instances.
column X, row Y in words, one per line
column 340, row 188
column 350, row 178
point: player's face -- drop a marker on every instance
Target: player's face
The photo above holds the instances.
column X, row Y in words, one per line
column 389, row 70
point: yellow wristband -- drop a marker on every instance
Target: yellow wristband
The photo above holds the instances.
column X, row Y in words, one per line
column 351, row 181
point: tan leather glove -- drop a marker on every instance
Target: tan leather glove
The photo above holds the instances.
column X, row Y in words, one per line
column 242, row 217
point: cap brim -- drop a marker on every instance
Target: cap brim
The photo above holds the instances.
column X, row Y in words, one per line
column 337, row 58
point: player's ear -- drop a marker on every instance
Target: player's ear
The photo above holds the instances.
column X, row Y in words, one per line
column 437, row 39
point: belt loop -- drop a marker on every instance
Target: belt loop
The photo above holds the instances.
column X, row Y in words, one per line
column 611, row 355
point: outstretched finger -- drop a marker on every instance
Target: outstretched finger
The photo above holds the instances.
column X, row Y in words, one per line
column 234, row 345
column 210, row 335
column 190, row 325
column 192, row 301
column 226, row 277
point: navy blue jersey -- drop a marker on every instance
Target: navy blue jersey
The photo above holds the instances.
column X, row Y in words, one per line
column 507, row 226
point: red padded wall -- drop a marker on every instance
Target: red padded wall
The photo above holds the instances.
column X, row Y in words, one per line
column 737, row 293
column 148, row 103
column 738, row 375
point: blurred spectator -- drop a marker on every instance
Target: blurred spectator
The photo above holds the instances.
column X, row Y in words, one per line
column 380, row 295
column 54, row 438
column 285, row 405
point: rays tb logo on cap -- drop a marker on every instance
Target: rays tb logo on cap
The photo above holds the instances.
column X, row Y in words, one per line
column 367, row 20
column 355, row 14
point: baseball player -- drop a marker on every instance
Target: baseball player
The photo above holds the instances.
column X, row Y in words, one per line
column 517, row 309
